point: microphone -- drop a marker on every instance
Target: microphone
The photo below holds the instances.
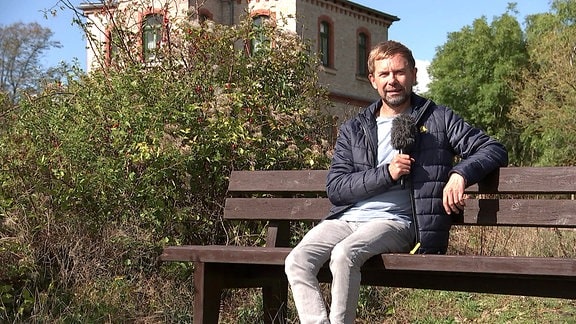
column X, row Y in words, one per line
column 403, row 135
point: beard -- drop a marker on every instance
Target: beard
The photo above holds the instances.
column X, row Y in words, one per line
column 397, row 100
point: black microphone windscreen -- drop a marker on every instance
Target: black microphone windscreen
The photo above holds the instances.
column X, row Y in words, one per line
column 403, row 133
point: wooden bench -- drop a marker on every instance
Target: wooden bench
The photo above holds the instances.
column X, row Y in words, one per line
column 284, row 197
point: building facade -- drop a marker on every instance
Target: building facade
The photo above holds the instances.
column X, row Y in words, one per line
column 341, row 31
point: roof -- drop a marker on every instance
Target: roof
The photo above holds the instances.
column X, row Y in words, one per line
column 367, row 10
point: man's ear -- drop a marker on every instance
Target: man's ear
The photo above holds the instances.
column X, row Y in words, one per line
column 371, row 78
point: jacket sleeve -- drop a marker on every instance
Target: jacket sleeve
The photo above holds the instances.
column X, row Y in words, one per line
column 353, row 177
column 480, row 154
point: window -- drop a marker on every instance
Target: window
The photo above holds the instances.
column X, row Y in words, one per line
column 116, row 44
column 325, row 43
column 363, row 45
column 113, row 44
column 259, row 40
column 151, row 36
column 204, row 15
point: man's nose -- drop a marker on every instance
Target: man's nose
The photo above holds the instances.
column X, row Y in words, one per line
column 392, row 78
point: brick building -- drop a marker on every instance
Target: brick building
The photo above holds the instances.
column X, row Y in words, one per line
column 341, row 31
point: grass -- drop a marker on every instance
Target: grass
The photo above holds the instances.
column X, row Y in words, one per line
column 426, row 306
column 419, row 306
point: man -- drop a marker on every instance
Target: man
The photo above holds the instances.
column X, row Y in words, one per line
column 372, row 213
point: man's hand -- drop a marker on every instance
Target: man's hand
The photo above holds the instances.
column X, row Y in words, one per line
column 453, row 196
column 399, row 166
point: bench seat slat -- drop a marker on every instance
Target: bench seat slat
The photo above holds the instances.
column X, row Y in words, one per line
column 225, row 254
column 537, row 266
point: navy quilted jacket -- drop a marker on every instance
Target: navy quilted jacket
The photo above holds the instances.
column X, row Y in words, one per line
column 442, row 135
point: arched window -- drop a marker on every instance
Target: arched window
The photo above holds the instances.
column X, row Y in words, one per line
column 259, row 40
column 362, row 54
column 113, row 44
column 325, row 43
column 204, row 15
column 203, row 18
column 151, row 36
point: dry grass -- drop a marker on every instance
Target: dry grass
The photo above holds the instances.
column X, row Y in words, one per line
column 513, row 241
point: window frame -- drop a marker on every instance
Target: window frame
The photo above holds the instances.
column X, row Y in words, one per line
column 158, row 30
column 265, row 17
column 258, row 40
column 326, row 41
column 112, row 34
column 362, row 52
column 204, row 15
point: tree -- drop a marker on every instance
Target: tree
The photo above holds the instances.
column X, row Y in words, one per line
column 472, row 72
column 21, row 47
column 544, row 109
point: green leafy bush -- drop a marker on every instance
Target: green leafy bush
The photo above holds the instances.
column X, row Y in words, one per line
column 102, row 172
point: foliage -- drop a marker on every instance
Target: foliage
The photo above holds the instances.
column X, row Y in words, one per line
column 103, row 170
column 473, row 70
column 546, row 95
column 516, row 85
column 21, row 47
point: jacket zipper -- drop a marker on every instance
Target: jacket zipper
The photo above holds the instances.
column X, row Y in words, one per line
column 412, row 200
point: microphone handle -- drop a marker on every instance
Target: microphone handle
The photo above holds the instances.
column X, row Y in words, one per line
column 402, row 178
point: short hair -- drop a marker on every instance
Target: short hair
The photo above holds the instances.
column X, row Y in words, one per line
column 388, row 49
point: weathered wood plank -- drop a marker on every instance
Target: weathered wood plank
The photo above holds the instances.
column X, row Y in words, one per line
column 225, row 254
column 511, row 180
column 472, row 264
column 207, row 289
column 503, row 212
column 297, row 209
column 520, row 212
column 552, row 180
column 536, row 266
column 278, row 181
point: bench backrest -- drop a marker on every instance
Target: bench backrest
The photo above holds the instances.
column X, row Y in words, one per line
column 513, row 196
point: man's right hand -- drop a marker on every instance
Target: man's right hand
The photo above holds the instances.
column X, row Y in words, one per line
column 399, row 166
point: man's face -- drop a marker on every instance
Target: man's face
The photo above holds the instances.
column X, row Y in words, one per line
column 393, row 79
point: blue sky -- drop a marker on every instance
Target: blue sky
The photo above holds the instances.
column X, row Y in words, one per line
column 71, row 37
column 423, row 25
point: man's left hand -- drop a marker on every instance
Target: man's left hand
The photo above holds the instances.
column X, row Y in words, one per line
column 453, row 196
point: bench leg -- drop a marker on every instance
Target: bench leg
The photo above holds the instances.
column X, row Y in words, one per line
column 275, row 299
column 207, row 292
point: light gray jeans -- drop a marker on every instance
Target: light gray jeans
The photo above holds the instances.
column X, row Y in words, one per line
column 347, row 245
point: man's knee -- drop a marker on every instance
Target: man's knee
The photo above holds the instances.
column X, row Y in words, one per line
column 292, row 266
column 340, row 256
